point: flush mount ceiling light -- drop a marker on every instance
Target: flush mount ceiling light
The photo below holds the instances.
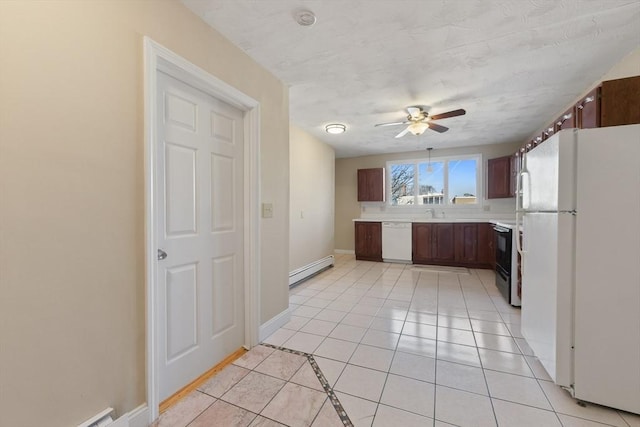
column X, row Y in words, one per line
column 335, row 128
column 305, row 18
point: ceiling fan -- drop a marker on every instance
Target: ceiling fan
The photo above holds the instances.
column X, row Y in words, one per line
column 419, row 120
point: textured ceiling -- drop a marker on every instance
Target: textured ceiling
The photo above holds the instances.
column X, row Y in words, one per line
column 511, row 64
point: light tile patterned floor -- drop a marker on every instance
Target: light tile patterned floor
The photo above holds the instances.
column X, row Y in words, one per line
column 401, row 347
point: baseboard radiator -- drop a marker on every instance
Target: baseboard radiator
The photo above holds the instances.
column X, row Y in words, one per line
column 309, row 270
column 103, row 419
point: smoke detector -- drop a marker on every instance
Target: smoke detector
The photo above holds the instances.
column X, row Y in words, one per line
column 305, row 18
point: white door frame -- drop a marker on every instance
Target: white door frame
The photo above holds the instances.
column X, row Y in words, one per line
column 158, row 58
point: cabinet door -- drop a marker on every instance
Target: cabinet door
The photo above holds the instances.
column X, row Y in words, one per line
column 443, row 246
column 363, row 188
column 368, row 241
column 421, row 237
column 375, row 241
column 466, row 243
column 361, row 238
column 620, row 102
column 499, row 178
column 588, row 110
column 486, row 245
column 371, row 185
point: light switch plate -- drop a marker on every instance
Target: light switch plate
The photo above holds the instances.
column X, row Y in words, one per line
column 267, row 210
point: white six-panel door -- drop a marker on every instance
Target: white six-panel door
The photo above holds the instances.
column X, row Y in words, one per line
column 199, row 198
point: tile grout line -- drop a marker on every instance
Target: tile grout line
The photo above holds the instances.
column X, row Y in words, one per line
column 435, row 356
column 525, row 360
column 484, row 375
column 502, row 313
column 395, row 350
column 335, row 402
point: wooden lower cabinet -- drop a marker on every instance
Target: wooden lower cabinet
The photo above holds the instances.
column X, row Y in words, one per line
column 368, row 241
column 486, row 245
column 466, row 238
column 421, row 243
column 433, row 243
column 444, row 245
column 453, row 244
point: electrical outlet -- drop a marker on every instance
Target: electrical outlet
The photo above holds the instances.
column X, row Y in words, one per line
column 267, row 210
column 487, row 208
column 301, row 214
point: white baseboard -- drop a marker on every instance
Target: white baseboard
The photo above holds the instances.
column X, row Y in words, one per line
column 139, row 417
column 273, row 324
column 345, row 251
column 310, row 269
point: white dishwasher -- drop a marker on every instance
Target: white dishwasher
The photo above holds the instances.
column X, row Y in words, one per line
column 396, row 241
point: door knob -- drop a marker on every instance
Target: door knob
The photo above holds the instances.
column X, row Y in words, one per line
column 161, row 254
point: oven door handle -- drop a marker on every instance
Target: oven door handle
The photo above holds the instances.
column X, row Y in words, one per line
column 501, row 229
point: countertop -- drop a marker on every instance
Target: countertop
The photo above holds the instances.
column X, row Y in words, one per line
column 503, row 222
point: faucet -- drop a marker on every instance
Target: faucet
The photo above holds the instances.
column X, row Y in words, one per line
column 431, row 212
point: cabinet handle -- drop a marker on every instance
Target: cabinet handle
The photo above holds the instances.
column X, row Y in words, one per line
column 587, row 100
column 564, row 119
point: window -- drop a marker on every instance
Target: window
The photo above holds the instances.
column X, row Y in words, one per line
column 439, row 181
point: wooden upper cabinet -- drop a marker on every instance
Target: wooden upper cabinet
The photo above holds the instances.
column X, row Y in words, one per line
column 588, row 110
column 499, row 178
column 614, row 103
column 620, row 102
column 371, row 185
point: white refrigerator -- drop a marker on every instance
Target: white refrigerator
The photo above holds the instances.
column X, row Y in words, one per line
column 579, row 208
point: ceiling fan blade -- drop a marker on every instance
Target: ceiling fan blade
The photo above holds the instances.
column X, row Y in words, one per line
column 391, row 124
column 438, row 128
column 448, row 114
column 403, row 133
column 414, row 112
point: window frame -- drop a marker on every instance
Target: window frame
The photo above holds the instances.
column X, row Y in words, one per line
column 445, row 160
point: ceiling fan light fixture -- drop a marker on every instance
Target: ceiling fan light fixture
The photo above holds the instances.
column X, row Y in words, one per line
column 335, row 128
column 418, row 128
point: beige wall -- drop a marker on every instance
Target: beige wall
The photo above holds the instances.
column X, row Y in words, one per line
column 312, row 189
column 72, row 300
column 629, row 66
column 348, row 208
